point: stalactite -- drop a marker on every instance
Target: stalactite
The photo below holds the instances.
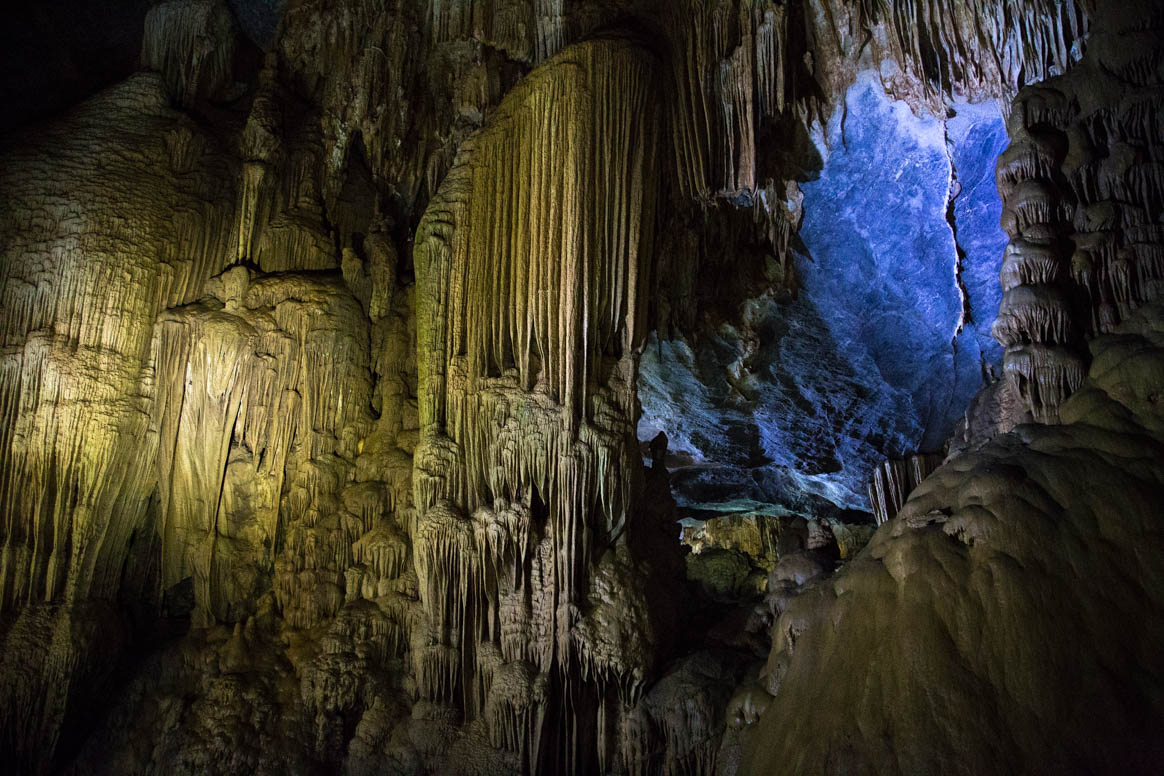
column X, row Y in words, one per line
column 729, row 72
column 1044, row 376
column 260, row 145
column 1076, row 176
column 1035, row 308
column 473, row 531
column 191, row 42
column 515, row 694
column 84, row 278
column 526, row 387
column 248, row 378
column 529, row 32
column 894, row 480
column 1033, row 313
column 613, row 640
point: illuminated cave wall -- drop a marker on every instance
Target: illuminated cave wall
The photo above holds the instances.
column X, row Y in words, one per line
column 888, row 337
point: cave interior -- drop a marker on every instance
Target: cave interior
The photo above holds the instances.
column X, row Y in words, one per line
column 483, row 387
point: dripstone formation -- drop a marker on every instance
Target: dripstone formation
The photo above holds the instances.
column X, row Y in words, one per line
column 319, row 399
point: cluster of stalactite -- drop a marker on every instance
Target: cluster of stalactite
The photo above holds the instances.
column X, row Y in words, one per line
column 736, row 66
column 80, row 300
column 1082, row 185
column 166, row 420
column 192, row 44
column 532, row 263
column 894, row 480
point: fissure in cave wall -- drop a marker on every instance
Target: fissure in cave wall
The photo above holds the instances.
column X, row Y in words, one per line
column 327, row 332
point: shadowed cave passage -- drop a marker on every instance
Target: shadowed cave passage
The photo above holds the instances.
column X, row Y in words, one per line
column 339, row 341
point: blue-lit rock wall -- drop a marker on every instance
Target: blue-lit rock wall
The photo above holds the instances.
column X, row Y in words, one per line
column 888, row 339
column 977, row 137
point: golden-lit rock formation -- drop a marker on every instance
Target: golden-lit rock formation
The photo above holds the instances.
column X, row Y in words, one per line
column 532, row 264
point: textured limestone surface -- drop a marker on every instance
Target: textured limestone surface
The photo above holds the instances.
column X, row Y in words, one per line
column 1008, row 618
column 889, row 335
column 964, row 620
column 326, row 334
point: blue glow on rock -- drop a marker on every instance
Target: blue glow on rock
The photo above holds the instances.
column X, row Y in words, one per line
column 869, row 361
column 977, row 137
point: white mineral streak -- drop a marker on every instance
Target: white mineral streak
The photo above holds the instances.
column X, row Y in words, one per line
column 894, row 480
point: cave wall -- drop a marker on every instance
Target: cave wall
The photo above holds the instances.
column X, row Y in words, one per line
column 1006, row 619
column 888, row 337
column 963, row 638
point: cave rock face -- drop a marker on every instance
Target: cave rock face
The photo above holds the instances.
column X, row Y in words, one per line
column 1030, row 513
column 889, row 336
column 533, row 308
column 1020, row 577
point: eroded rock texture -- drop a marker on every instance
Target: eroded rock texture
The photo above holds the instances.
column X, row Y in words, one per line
column 949, row 616
column 324, row 339
column 973, row 649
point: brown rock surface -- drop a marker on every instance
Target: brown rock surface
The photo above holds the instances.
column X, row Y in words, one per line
column 1008, row 619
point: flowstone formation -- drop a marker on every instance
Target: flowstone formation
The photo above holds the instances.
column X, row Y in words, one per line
column 974, row 587
column 327, row 334
column 532, row 264
column 964, row 620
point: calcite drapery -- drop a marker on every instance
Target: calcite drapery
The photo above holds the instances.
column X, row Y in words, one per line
column 85, row 276
column 98, row 236
column 532, row 263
